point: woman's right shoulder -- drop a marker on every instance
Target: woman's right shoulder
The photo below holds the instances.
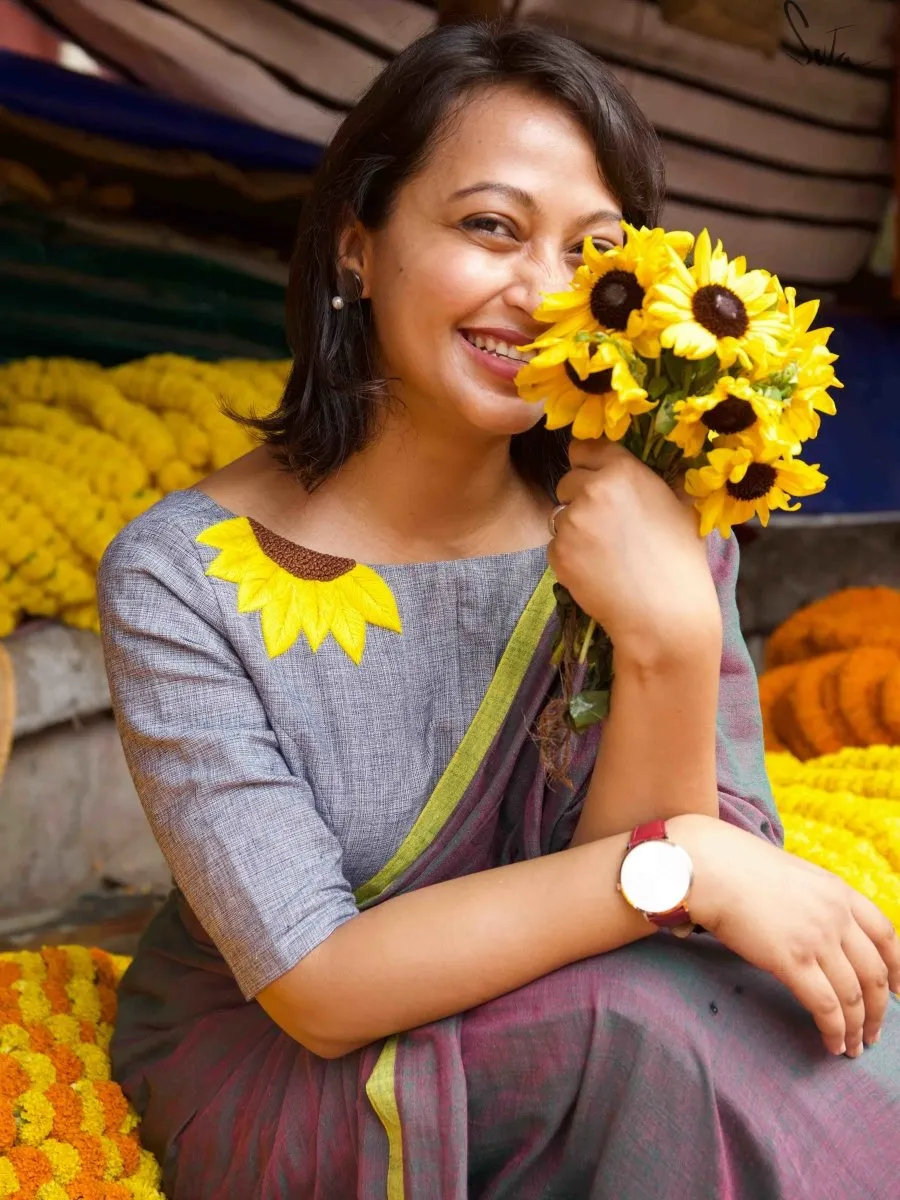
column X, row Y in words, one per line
column 160, row 546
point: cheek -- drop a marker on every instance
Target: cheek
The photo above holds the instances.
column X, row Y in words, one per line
column 438, row 290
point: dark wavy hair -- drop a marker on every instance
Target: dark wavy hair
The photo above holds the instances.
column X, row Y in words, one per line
column 333, row 395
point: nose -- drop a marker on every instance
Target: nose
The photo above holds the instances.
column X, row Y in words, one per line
column 534, row 277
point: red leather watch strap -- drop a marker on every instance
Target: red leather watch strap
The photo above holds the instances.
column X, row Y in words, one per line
column 650, row 831
column 655, row 831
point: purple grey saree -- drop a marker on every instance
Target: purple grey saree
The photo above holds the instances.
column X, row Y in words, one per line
column 669, row 1068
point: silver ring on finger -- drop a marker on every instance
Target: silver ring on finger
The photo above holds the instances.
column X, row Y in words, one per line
column 552, row 519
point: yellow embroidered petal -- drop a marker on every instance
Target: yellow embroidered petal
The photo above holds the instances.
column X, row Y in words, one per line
column 262, row 584
column 349, row 630
column 368, row 593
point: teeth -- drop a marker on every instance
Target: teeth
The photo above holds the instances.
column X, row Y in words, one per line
column 492, row 346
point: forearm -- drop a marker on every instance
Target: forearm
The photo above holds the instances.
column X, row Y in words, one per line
column 449, row 947
column 657, row 755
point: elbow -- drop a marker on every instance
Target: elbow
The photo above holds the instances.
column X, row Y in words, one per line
column 302, row 1006
column 297, row 1025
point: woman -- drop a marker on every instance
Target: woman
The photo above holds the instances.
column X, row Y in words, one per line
column 396, row 962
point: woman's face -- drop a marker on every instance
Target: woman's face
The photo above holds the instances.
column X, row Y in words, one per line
column 497, row 216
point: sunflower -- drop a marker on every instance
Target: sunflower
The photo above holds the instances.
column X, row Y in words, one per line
column 739, row 483
column 297, row 590
column 608, row 289
column 597, row 394
column 804, row 373
column 733, row 407
column 717, row 307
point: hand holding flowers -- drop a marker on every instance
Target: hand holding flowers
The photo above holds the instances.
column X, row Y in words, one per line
column 628, row 553
column 706, row 372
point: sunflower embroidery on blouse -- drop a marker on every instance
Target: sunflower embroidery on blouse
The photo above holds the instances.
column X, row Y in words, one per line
column 296, row 590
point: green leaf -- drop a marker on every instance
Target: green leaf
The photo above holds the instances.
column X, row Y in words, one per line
column 587, row 708
column 657, row 387
column 665, row 419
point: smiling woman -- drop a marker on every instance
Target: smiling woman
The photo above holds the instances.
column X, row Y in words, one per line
column 396, row 962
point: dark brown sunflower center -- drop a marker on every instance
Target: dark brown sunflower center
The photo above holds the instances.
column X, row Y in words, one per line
column 596, row 384
column 298, row 560
column 731, row 415
column 720, row 311
column 758, row 482
column 614, row 298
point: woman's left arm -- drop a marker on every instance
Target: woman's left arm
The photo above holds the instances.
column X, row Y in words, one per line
column 684, row 734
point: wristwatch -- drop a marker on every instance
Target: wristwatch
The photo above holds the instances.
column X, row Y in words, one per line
column 656, row 876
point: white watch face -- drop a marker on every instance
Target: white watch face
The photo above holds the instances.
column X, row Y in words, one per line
column 656, row 876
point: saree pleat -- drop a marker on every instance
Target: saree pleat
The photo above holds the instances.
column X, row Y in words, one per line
column 667, row 1068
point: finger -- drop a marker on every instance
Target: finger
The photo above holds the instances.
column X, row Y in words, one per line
column 847, row 987
column 591, row 452
column 573, row 484
column 873, row 980
column 816, row 993
column 881, row 932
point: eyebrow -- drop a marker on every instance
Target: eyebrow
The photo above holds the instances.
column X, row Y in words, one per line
column 528, row 202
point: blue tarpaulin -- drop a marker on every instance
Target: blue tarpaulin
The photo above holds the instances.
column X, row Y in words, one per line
column 130, row 114
column 859, row 448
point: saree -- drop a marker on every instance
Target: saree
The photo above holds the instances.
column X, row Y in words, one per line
column 669, row 1067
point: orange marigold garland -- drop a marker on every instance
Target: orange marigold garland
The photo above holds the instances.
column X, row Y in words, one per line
column 66, row 1130
column 890, row 703
column 772, row 685
column 844, row 698
column 860, row 682
column 810, row 718
column 844, row 620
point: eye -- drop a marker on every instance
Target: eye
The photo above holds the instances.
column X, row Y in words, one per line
column 494, row 227
column 600, row 244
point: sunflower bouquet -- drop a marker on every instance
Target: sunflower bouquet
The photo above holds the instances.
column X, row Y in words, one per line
column 708, row 372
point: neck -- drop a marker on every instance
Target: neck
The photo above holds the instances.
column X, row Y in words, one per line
column 420, row 495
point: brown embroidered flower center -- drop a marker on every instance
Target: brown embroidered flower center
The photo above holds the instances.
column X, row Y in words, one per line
column 720, row 311
column 758, row 482
column 297, row 560
column 731, row 415
column 598, row 383
column 614, row 298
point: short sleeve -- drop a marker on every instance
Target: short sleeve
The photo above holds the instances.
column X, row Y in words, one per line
column 240, row 832
column 745, row 795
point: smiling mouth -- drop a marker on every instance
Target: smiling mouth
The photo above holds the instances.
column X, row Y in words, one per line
column 499, row 349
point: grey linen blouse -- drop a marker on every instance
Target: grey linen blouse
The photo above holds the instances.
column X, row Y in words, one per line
column 276, row 786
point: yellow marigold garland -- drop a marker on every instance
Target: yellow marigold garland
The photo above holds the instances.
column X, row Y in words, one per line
column 842, row 811
column 84, row 450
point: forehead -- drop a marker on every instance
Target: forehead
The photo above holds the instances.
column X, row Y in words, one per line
column 517, row 137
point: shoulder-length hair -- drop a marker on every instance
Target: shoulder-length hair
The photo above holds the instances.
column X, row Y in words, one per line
column 331, row 403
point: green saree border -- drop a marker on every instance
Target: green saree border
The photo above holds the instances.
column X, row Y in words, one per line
column 486, row 723
column 382, row 1096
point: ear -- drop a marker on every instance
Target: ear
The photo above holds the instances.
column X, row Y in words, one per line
column 355, row 253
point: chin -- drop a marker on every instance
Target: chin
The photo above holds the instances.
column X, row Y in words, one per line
column 501, row 415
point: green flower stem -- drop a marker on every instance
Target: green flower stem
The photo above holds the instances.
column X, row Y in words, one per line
column 648, row 439
column 588, row 638
column 688, row 378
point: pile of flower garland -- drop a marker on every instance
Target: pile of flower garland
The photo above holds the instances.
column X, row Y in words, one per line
column 66, row 1131
column 833, row 677
column 842, row 812
column 84, row 450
